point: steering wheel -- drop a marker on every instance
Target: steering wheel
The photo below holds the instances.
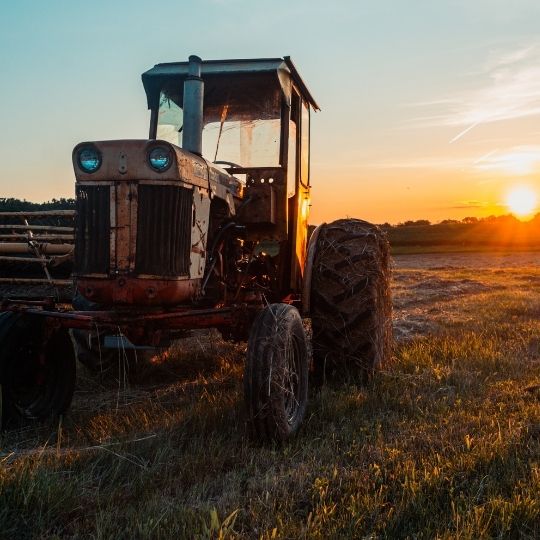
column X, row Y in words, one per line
column 229, row 163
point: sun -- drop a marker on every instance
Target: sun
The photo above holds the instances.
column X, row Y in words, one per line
column 521, row 201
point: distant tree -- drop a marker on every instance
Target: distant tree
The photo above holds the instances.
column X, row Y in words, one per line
column 470, row 220
column 507, row 218
column 414, row 223
column 11, row 204
column 448, row 221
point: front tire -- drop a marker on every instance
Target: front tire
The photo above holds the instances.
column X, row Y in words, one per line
column 276, row 374
column 37, row 369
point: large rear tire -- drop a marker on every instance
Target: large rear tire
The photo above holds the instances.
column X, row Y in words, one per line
column 276, row 374
column 350, row 304
column 37, row 369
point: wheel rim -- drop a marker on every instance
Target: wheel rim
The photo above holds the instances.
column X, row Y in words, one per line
column 291, row 380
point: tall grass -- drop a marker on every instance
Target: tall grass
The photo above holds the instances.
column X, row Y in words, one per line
column 444, row 443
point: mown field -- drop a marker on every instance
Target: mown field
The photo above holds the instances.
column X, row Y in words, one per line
column 444, row 443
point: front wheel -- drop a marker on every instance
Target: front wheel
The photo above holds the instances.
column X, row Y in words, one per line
column 276, row 374
column 37, row 369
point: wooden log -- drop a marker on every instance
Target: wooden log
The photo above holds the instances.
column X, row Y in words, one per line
column 36, row 281
column 37, row 238
column 4, row 258
column 48, row 228
column 44, row 248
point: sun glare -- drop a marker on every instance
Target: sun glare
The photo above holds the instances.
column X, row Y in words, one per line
column 521, row 201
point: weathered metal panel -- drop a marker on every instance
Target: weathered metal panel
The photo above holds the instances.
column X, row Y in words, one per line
column 164, row 230
column 199, row 234
column 92, row 229
column 123, row 226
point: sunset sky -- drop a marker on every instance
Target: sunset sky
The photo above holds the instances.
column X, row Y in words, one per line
column 429, row 109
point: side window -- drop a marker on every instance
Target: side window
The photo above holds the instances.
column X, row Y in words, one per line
column 304, row 164
column 294, row 132
column 170, row 120
column 291, row 163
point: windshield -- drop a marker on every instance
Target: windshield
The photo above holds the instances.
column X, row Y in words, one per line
column 247, row 143
column 170, row 120
column 239, row 127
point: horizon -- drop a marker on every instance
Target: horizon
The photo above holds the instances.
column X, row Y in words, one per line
column 428, row 111
column 417, row 221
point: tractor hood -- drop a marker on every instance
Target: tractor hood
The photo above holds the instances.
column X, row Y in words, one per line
column 129, row 160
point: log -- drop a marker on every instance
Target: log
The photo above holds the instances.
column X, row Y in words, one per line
column 4, row 258
column 36, row 281
column 37, row 238
column 49, row 228
column 46, row 248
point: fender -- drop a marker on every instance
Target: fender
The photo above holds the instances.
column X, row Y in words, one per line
column 308, row 269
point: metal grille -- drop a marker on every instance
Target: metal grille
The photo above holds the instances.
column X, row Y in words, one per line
column 92, row 230
column 164, row 219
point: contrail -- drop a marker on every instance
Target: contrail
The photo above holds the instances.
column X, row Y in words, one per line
column 459, row 135
column 486, row 156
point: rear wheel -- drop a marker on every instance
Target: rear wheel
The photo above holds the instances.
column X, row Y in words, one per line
column 37, row 369
column 351, row 306
column 276, row 374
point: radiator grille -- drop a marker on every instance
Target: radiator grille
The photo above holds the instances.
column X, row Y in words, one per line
column 164, row 218
column 92, row 230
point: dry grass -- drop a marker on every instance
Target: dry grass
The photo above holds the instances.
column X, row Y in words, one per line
column 443, row 444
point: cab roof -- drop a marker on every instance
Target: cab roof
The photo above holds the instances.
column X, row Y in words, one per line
column 276, row 71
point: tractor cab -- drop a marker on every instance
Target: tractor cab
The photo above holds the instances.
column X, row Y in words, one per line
column 255, row 124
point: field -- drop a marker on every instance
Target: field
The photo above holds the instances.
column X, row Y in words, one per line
column 444, row 443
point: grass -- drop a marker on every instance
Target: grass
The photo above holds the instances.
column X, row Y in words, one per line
column 445, row 443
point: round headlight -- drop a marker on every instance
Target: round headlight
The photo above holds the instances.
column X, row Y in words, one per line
column 89, row 159
column 160, row 158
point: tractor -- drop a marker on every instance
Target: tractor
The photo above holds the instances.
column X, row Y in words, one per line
column 205, row 225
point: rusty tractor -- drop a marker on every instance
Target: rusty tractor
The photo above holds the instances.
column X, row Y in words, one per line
column 202, row 225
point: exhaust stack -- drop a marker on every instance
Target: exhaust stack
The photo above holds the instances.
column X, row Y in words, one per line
column 193, row 107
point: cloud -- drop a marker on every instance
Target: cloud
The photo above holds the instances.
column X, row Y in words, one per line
column 509, row 89
column 517, row 161
column 434, row 162
column 469, row 204
column 513, row 57
column 520, row 160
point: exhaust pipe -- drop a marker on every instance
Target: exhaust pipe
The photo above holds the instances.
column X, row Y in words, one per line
column 193, row 107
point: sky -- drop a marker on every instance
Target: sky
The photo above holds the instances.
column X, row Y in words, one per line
column 430, row 109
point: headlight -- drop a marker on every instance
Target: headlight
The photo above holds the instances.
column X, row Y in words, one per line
column 89, row 159
column 160, row 158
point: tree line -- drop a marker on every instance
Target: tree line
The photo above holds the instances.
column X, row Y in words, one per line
column 11, row 204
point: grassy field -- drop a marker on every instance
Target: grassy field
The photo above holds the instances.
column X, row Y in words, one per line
column 445, row 443
column 417, row 249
